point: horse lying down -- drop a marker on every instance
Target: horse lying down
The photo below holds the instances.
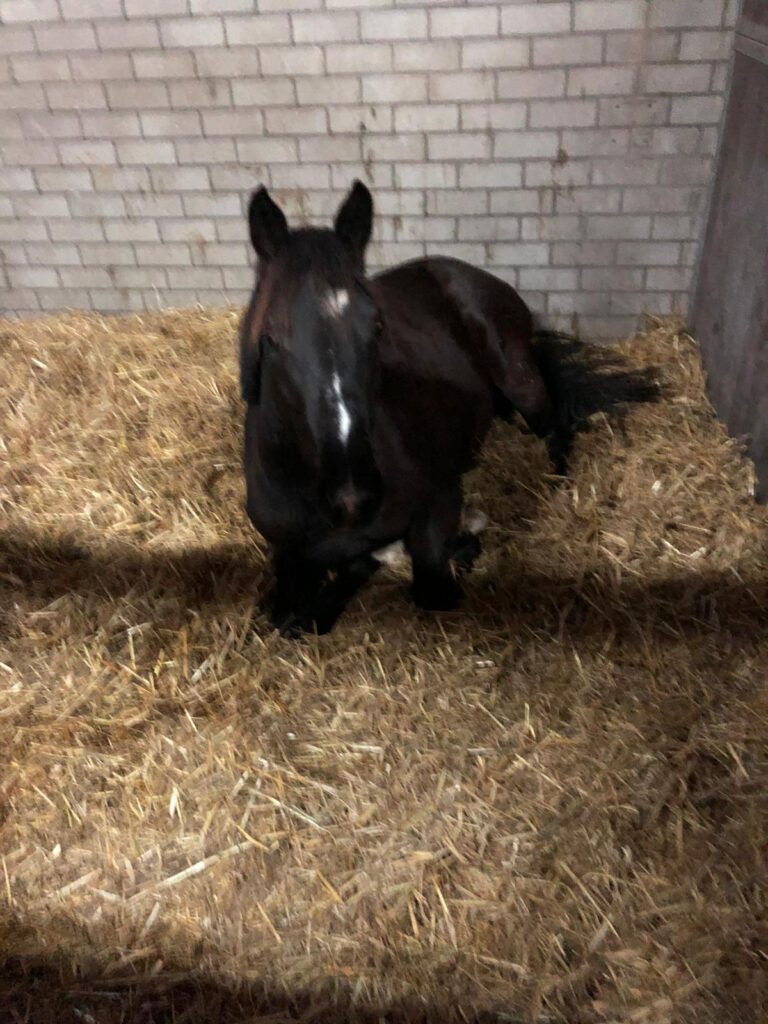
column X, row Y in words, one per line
column 368, row 399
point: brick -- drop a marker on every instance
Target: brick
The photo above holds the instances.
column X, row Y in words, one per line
column 666, row 140
column 213, row 205
column 329, row 27
column 394, row 88
column 261, row 92
column 235, row 178
column 16, row 179
column 520, row 254
column 155, row 206
column 669, row 227
column 521, row 144
column 427, row 117
column 338, row 148
column 198, row 31
column 546, row 278
column 36, row 153
column 21, row 230
column 656, row 200
column 640, row 47
column 508, row 200
column 502, row 53
column 80, row 230
column 16, row 40
column 139, row 277
column 330, row 89
column 146, row 151
column 165, row 254
column 618, row 227
column 611, row 279
column 376, row 118
column 268, row 150
column 696, row 110
column 128, row 35
column 232, row 122
column 191, row 93
column 443, row 55
column 589, row 200
column 568, row 50
column 172, row 124
column 84, row 204
column 229, row 254
column 238, row 277
column 58, row 298
column 225, row 229
column 195, row 277
column 79, row 96
column 111, row 124
column 219, row 6
column 131, row 231
column 28, row 10
column 685, row 13
column 685, row 170
column 63, row 179
column 344, row 58
column 387, row 148
column 72, row 10
column 706, row 45
column 618, row 171
column 109, row 255
column 377, row 177
column 720, row 78
column 65, row 38
column 120, row 179
column 40, row 68
column 100, row 66
column 180, row 179
column 493, row 116
column 113, row 300
column 406, row 25
column 458, row 146
column 426, row 229
column 604, row 15
column 205, row 151
column 189, row 230
column 10, row 126
column 163, row 64
column 89, row 152
column 32, row 277
column 488, row 229
column 675, row 78
column 668, row 279
column 525, row 84
column 259, row 30
column 389, row 253
column 601, row 81
column 400, row 203
column 300, row 176
column 137, row 95
column 297, row 121
column 294, row 60
column 425, row 175
column 152, row 8
column 551, row 227
column 596, row 142
column 460, row 23
column 21, row 97
column 491, row 175
column 584, row 254
column 634, row 111
column 536, row 19
column 562, row 113
column 461, row 85
column 227, row 62
column 648, row 253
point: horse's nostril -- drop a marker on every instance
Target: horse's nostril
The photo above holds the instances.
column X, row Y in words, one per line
column 350, row 501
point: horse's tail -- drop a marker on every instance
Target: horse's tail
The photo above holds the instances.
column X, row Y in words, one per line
column 583, row 380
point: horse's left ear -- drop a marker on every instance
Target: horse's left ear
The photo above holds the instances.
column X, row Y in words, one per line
column 355, row 219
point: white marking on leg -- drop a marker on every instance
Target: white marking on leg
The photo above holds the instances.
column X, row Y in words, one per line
column 392, row 555
column 474, row 521
column 343, row 419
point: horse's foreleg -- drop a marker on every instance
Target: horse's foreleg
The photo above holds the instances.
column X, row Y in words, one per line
column 320, row 614
column 297, row 582
column 431, row 543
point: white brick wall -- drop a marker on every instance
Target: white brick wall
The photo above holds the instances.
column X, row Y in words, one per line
column 565, row 144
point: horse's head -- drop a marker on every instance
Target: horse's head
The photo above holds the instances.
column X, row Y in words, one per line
column 309, row 344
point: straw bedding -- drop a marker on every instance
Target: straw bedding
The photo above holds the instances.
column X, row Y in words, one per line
column 549, row 806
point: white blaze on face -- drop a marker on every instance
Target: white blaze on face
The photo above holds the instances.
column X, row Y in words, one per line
column 343, row 419
column 336, row 302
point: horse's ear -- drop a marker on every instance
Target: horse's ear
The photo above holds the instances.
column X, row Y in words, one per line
column 267, row 223
column 355, row 219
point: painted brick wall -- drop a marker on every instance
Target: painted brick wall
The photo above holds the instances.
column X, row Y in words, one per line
column 565, row 145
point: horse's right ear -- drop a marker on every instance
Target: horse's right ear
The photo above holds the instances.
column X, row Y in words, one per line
column 355, row 219
column 267, row 223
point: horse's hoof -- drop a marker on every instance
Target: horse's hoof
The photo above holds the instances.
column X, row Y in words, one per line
column 443, row 597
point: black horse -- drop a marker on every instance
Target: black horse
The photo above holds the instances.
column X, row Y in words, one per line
column 369, row 398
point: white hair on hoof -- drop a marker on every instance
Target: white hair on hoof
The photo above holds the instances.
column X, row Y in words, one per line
column 474, row 521
column 392, row 555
